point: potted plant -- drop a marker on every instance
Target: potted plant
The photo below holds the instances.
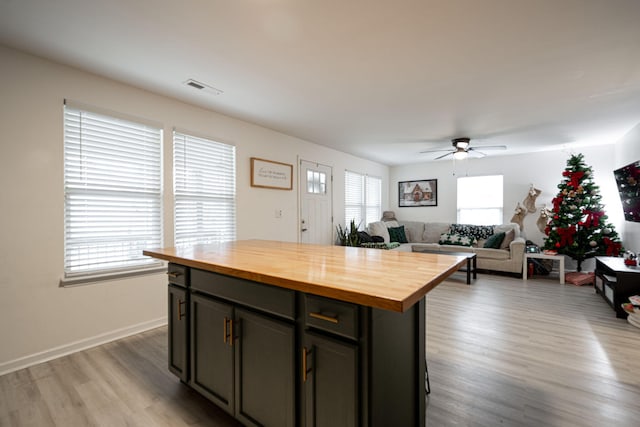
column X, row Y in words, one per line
column 348, row 236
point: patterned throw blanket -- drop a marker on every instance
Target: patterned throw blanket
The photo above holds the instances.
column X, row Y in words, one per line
column 381, row 245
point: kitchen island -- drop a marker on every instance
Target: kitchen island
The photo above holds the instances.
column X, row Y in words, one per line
column 286, row 334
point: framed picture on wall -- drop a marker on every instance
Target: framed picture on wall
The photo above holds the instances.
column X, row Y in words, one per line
column 270, row 174
column 418, row 193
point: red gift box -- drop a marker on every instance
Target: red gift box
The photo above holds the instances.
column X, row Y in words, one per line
column 579, row 279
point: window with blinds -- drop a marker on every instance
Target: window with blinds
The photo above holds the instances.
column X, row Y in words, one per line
column 204, row 190
column 112, row 193
column 363, row 198
column 480, row 200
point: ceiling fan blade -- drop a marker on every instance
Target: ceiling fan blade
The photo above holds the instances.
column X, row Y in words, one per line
column 489, row 147
column 436, row 151
column 444, row 155
column 478, row 154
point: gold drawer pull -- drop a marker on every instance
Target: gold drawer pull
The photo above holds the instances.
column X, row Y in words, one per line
column 227, row 331
column 173, row 274
column 324, row 317
column 305, row 369
column 181, row 313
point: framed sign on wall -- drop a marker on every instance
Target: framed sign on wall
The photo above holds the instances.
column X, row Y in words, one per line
column 418, row 193
column 270, row 174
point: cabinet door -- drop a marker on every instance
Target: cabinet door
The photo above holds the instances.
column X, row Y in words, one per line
column 178, row 332
column 330, row 381
column 265, row 370
column 211, row 350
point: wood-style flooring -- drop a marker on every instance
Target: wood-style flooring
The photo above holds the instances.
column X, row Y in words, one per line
column 501, row 352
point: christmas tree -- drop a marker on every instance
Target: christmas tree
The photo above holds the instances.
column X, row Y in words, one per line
column 578, row 225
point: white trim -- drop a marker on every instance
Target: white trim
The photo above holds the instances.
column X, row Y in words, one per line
column 63, row 350
column 87, row 279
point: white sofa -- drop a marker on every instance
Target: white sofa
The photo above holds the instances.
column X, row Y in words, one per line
column 426, row 235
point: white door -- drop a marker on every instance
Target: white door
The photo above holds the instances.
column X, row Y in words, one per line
column 316, row 219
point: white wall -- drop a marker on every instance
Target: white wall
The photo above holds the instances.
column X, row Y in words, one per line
column 628, row 151
column 39, row 319
column 543, row 170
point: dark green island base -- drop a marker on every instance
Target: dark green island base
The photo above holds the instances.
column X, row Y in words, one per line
column 272, row 356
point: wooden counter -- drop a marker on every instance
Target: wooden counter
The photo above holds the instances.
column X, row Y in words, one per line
column 390, row 280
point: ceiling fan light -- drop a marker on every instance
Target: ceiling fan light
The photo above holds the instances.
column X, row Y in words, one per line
column 460, row 154
column 461, row 143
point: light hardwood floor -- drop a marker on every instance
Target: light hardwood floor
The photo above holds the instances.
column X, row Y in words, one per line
column 504, row 352
column 500, row 352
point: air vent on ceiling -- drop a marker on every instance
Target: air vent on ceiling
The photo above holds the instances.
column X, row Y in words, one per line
column 202, row 86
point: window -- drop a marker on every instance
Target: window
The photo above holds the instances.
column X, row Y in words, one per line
column 316, row 182
column 112, row 193
column 363, row 198
column 480, row 200
column 204, row 190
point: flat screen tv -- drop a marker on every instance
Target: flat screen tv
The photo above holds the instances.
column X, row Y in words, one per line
column 628, row 181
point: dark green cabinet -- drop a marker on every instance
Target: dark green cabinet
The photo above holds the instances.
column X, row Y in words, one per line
column 243, row 362
column 212, row 361
column 178, row 331
column 265, row 370
column 330, row 381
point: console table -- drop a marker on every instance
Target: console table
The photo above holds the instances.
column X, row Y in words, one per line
column 616, row 282
column 286, row 334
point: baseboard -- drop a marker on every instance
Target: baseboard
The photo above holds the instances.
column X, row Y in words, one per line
column 54, row 353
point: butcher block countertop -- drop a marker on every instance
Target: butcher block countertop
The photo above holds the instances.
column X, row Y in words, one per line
column 390, row 280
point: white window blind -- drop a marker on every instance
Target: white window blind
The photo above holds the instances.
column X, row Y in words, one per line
column 204, row 190
column 363, row 198
column 353, row 197
column 480, row 200
column 112, row 190
column 373, row 199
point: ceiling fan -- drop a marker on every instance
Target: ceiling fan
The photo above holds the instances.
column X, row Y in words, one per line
column 461, row 149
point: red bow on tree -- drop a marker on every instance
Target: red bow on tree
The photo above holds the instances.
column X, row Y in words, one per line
column 575, row 178
column 593, row 218
column 557, row 201
column 566, row 235
column 612, row 248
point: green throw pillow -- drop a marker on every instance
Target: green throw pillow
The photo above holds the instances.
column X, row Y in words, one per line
column 494, row 241
column 457, row 240
column 397, row 234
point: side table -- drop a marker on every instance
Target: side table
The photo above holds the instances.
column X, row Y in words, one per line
column 529, row 255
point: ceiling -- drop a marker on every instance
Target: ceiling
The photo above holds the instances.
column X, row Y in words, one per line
column 378, row 79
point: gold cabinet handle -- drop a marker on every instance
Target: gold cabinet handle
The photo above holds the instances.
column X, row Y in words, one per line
column 181, row 313
column 324, row 317
column 173, row 274
column 305, row 370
